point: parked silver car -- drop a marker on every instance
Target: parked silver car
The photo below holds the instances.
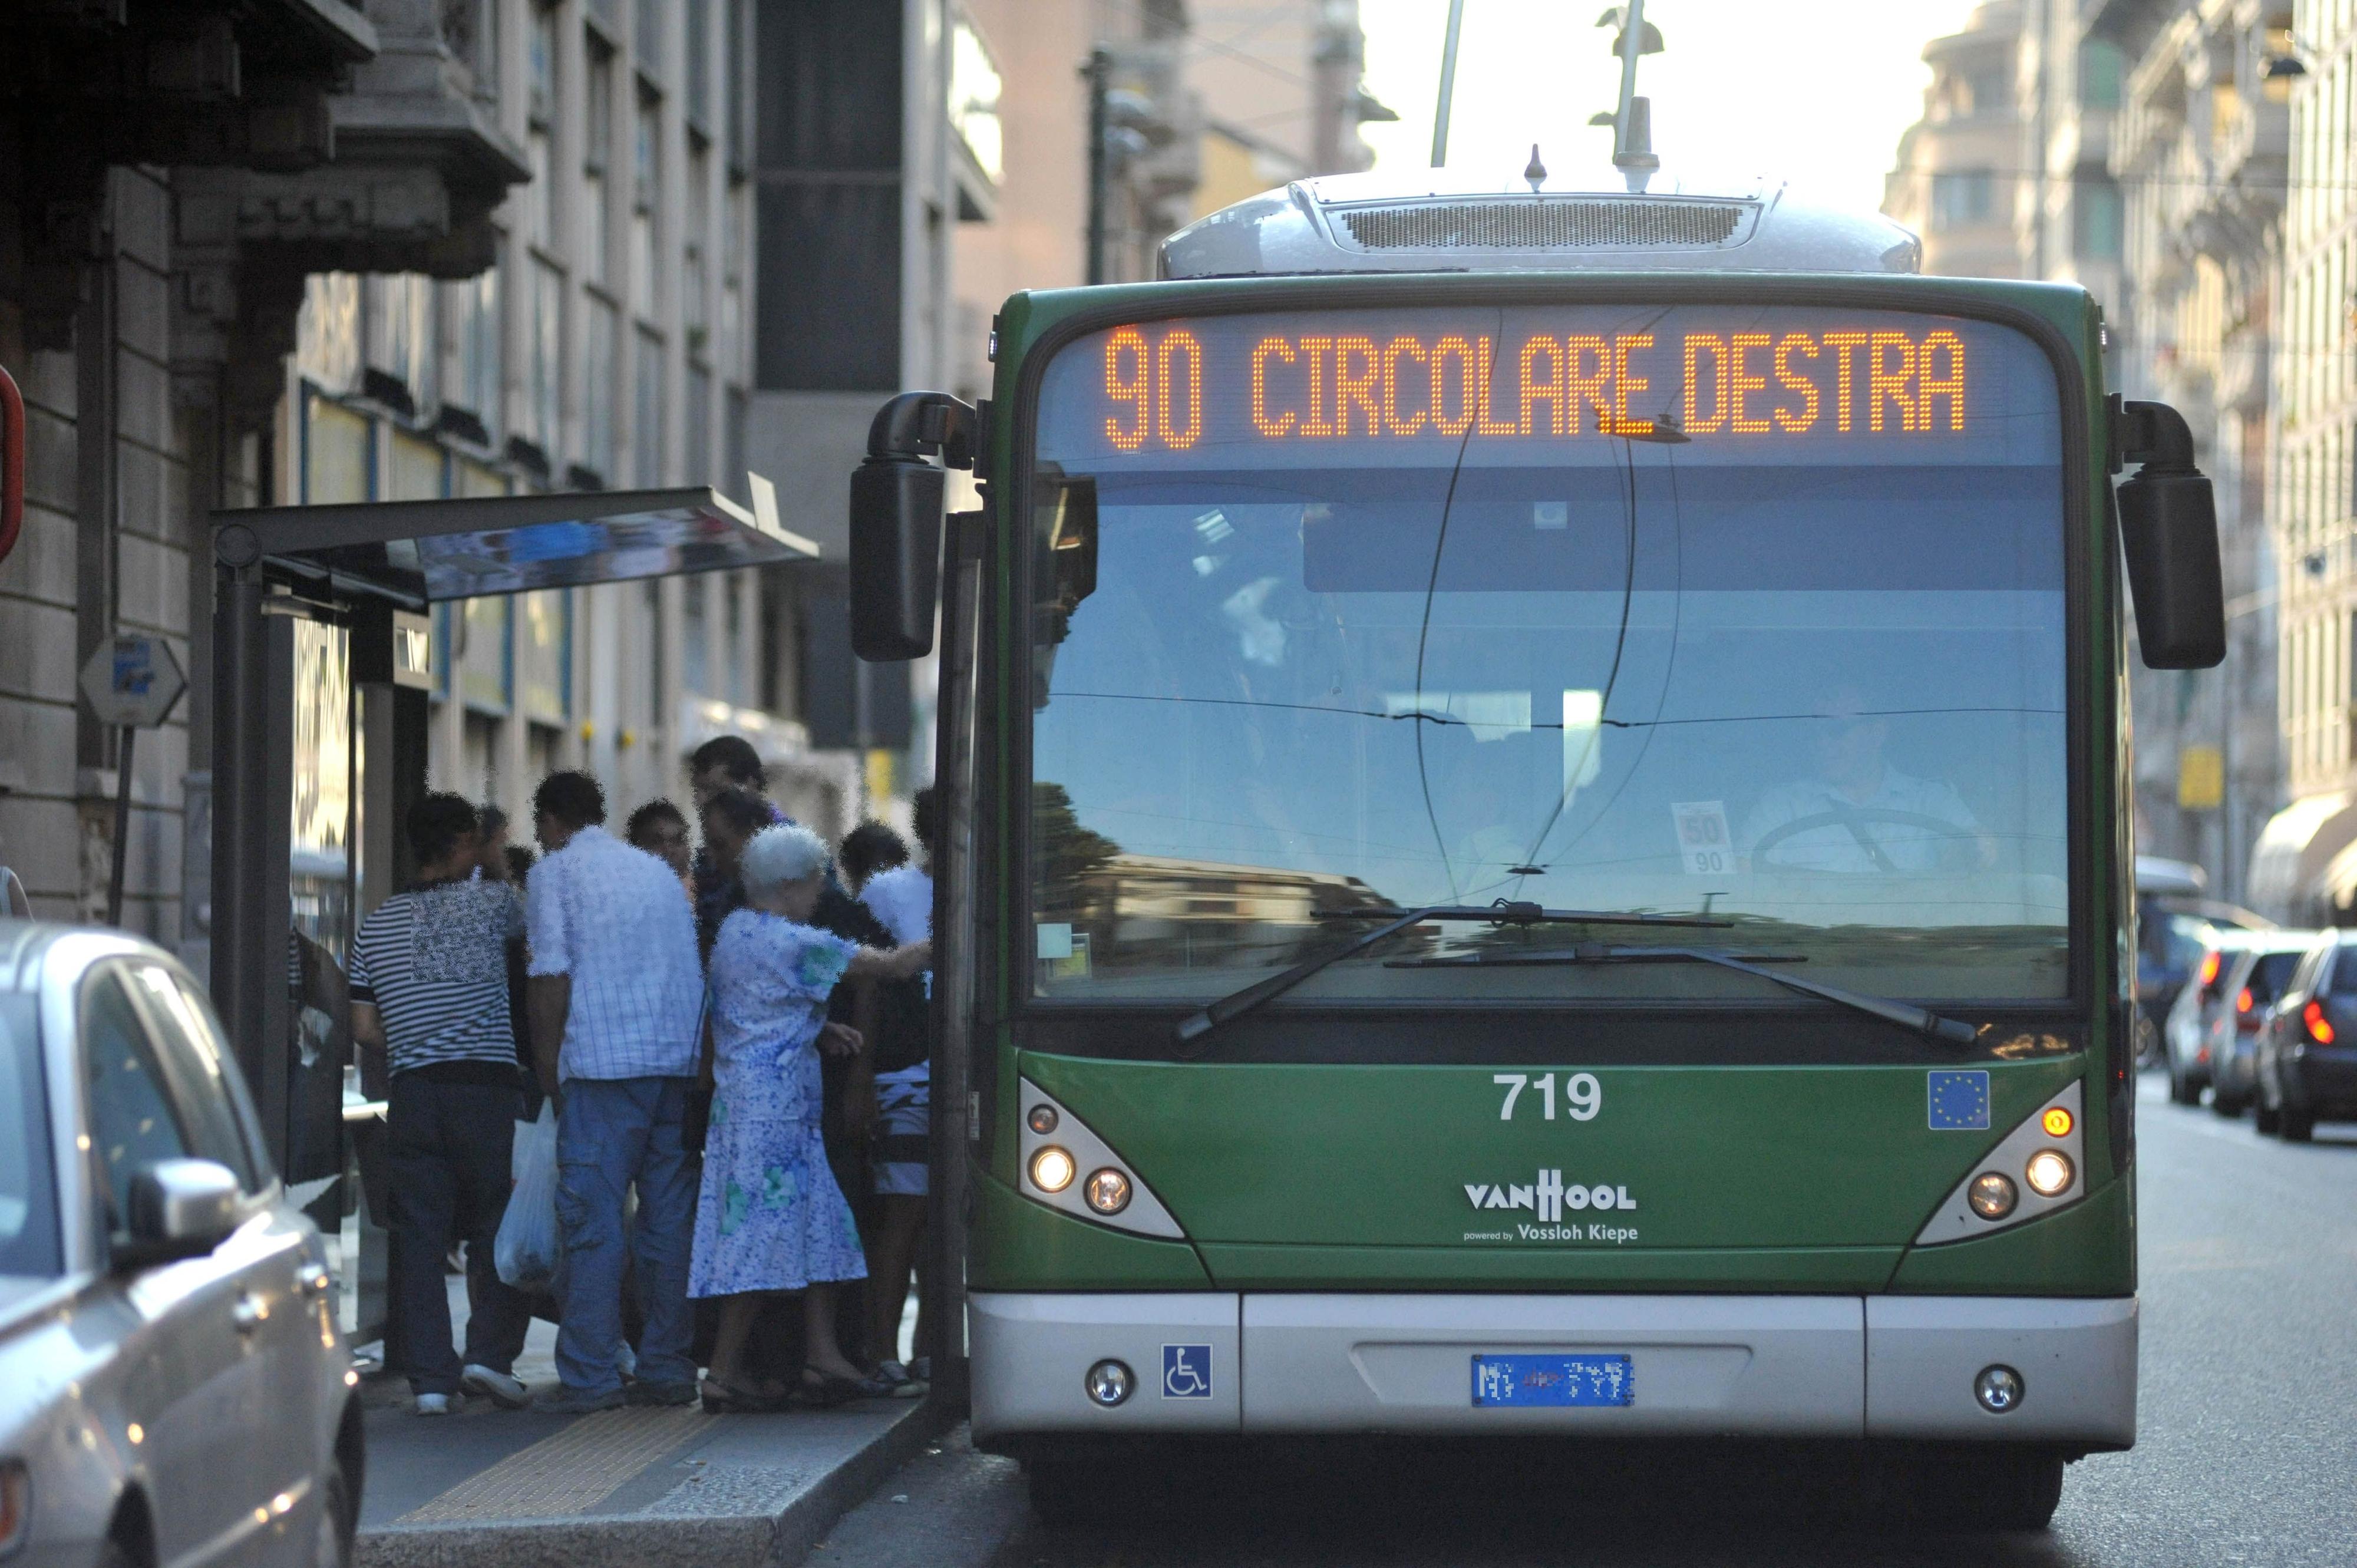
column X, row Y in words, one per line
column 174, row 1390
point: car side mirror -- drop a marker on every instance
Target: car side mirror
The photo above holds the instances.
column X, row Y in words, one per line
column 179, row 1208
column 896, row 502
column 2169, row 529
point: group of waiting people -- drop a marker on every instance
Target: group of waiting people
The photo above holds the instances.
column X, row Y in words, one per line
column 732, row 1035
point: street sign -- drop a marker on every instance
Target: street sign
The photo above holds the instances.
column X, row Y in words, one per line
column 133, row 680
column 2200, row 778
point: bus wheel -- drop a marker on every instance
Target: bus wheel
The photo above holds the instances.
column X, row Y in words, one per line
column 1065, row 1494
column 1970, row 1486
column 2026, row 1492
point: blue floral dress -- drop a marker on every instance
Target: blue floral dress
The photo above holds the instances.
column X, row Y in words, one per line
column 770, row 1216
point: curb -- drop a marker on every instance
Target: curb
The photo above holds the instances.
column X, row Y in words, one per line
column 780, row 1539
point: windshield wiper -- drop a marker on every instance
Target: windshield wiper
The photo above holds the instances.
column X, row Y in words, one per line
column 1906, row 1014
column 1504, row 912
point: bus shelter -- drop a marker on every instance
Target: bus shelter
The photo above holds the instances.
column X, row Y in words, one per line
column 322, row 674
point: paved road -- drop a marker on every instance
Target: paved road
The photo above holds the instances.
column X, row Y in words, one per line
column 2248, row 1452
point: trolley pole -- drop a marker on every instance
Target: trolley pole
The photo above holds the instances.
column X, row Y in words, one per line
column 1632, row 42
column 1448, row 84
column 1099, row 71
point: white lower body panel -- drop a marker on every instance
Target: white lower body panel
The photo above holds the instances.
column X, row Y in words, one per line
column 1789, row 1366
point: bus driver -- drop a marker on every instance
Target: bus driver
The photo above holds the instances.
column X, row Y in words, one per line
column 1863, row 816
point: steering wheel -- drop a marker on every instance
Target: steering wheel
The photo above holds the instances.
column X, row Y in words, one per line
column 1776, row 835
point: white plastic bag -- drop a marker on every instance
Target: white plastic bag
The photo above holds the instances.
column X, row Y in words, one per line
column 529, row 1244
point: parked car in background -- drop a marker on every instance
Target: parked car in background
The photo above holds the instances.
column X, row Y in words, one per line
column 2202, row 1012
column 2254, row 981
column 2306, row 1067
column 2175, row 918
column 173, row 1386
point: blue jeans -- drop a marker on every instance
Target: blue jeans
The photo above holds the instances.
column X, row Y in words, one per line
column 613, row 1133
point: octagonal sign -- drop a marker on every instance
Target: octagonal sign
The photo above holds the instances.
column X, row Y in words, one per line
column 133, row 680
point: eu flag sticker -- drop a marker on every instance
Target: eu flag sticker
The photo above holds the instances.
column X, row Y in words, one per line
column 1958, row 1101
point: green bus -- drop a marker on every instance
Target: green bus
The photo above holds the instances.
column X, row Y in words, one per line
column 1540, row 834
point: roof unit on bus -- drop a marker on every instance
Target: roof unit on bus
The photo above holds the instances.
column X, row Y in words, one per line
column 1440, row 220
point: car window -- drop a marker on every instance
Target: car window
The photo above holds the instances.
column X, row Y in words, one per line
column 2343, row 978
column 206, row 1084
column 132, row 1121
column 29, row 1238
column 2268, row 975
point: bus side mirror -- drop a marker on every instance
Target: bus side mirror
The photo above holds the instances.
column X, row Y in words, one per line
column 897, row 501
column 2168, row 529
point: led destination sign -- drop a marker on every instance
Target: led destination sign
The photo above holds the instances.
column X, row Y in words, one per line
column 1908, row 378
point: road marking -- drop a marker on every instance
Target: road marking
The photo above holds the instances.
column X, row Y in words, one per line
column 569, row 1473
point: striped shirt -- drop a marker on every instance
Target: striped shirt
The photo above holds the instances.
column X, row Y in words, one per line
column 434, row 962
column 614, row 920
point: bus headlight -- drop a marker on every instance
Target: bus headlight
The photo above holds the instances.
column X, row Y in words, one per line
column 1109, row 1383
column 1998, row 1389
column 1042, row 1120
column 2048, row 1172
column 1993, row 1195
column 1051, row 1169
column 1107, row 1191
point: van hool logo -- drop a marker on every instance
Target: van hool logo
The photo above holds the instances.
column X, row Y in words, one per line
column 1548, row 1198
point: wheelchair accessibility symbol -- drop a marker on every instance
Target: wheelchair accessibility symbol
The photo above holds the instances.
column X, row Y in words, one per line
column 1186, row 1371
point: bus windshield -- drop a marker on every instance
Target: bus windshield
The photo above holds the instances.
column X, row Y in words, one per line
column 1751, row 611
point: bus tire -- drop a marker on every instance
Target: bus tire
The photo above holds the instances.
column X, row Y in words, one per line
column 1065, row 1494
column 1976, row 1487
column 2027, row 1494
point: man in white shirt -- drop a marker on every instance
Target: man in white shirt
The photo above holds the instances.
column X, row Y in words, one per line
column 614, row 993
column 1859, row 807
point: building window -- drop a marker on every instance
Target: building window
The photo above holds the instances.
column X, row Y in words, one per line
column 647, row 412
column 694, row 305
column 732, row 647
column 732, row 264
column 695, row 635
column 544, row 655
column 1989, row 90
column 327, row 330
column 650, row 598
column 541, row 64
column 650, row 36
column 2102, row 70
column 546, row 381
column 337, row 454
column 734, row 460
column 1962, row 198
column 697, row 428
column 974, row 87
column 646, row 170
column 601, row 135
column 603, row 343
column 400, row 333
column 734, row 50
column 698, row 74
column 2095, row 219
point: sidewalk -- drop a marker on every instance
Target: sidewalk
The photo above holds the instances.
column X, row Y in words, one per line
column 494, row 1488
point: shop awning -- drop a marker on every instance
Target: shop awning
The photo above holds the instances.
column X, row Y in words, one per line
column 422, row 552
column 2294, row 851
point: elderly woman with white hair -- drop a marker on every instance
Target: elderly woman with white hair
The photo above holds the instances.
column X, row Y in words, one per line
column 771, row 1218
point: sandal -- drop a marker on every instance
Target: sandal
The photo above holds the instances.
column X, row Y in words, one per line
column 727, row 1399
column 825, row 1391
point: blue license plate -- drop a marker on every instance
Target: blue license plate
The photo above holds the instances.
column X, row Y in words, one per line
column 1533, row 1382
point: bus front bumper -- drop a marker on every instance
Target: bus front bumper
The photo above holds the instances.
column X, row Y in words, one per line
column 1795, row 1365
